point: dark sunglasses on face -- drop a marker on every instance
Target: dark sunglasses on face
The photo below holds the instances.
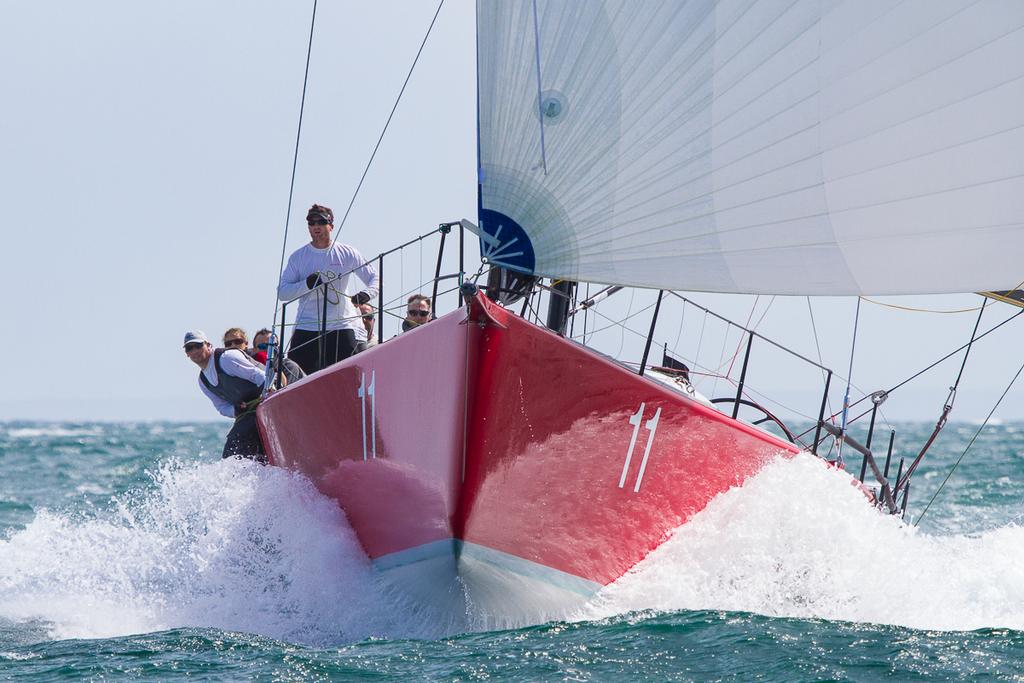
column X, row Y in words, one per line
column 317, row 221
column 422, row 314
column 234, row 342
column 194, row 346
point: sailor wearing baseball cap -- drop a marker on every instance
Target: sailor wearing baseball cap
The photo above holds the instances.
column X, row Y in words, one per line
column 324, row 268
column 234, row 383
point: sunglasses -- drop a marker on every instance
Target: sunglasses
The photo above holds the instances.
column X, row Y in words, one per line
column 193, row 346
column 422, row 314
column 234, row 342
column 318, row 221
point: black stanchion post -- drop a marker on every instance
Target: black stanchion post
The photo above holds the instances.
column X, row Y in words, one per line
column 380, row 299
column 323, row 332
column 821, row 413
column 280, row 345
column 444, row 228
column 650, row 334
column 743, row 376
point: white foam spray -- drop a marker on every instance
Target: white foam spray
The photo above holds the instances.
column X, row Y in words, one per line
column 798, row 540
column 228, row 545
column 236, row 546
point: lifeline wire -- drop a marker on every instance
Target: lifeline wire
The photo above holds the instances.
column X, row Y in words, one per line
column 386, row 124
column 973, row 438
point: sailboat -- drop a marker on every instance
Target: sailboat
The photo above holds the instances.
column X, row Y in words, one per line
column 803, row 148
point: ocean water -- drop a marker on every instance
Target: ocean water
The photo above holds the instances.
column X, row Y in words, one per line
column 131, row 551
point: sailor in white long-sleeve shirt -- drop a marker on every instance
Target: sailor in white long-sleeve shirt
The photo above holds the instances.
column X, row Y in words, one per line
column 320, row 268
column 234, row 383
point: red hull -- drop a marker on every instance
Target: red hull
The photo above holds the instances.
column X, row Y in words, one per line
column 499, row 435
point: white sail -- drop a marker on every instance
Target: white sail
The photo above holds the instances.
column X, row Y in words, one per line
column 790, row 147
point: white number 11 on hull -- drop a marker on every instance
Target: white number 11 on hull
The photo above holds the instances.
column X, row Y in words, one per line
column 363, row 392
column 652, row 426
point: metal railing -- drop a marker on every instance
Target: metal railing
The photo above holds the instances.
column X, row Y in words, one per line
column 889, row 496
column 383, row 307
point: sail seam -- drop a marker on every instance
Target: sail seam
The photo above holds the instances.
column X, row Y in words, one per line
column 540, row 103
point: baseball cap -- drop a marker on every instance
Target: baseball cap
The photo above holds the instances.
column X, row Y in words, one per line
column 193, row 336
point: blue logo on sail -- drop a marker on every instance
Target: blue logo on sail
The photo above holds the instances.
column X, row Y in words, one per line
column 509, row 246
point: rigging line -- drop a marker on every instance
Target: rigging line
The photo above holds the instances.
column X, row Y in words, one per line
column 944, row 358
column 721, row 356
column 849, row 380
column 763, row 314
column 926, row 369
column 700, row 339
column 739, row 343
column 971, row 443
column 295, row 161
column 387, row 123
column 817, row 345
column 946, row 409
column 760, row 319
column 967, row 353
column 585, row 311
column 622, row 330
column 682, row 317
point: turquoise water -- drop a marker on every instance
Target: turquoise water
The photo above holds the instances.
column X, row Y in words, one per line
column 131, row 551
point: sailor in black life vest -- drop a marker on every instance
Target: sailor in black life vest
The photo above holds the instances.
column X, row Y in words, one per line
column 234, row 383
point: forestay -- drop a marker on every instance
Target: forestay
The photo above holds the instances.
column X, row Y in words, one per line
column 797, row 147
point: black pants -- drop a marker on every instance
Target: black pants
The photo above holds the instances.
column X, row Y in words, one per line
column 244, row 440
column 304, row 348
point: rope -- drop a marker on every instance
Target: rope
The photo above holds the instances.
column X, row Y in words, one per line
column 817, row 346
column 849, row 380
column 629, row 309
column 946, row 409
column 295, row 164
column 971, row 443
column 386, row 124
column 739, row 343
column 700, row 339
column 926, row 369
column 967, row 353
column 721, row 356
column 918, row 310
column 682, row 318
column 932, row 310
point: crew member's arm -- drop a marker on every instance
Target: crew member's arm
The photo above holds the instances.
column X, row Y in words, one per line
column 293, row 280
column 366, row 273
column 222, row 406
column 237, row 364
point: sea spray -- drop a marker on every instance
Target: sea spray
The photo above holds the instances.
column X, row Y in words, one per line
column 798, row 540
column 228, row 545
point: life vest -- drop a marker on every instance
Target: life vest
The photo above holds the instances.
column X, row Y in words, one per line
column 234, row 390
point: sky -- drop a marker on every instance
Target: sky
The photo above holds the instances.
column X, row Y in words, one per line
column 146, row 160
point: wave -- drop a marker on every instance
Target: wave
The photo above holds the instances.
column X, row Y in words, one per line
column 230, row 545
column 239, row 547
column 52, row 431
column 799, row 541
